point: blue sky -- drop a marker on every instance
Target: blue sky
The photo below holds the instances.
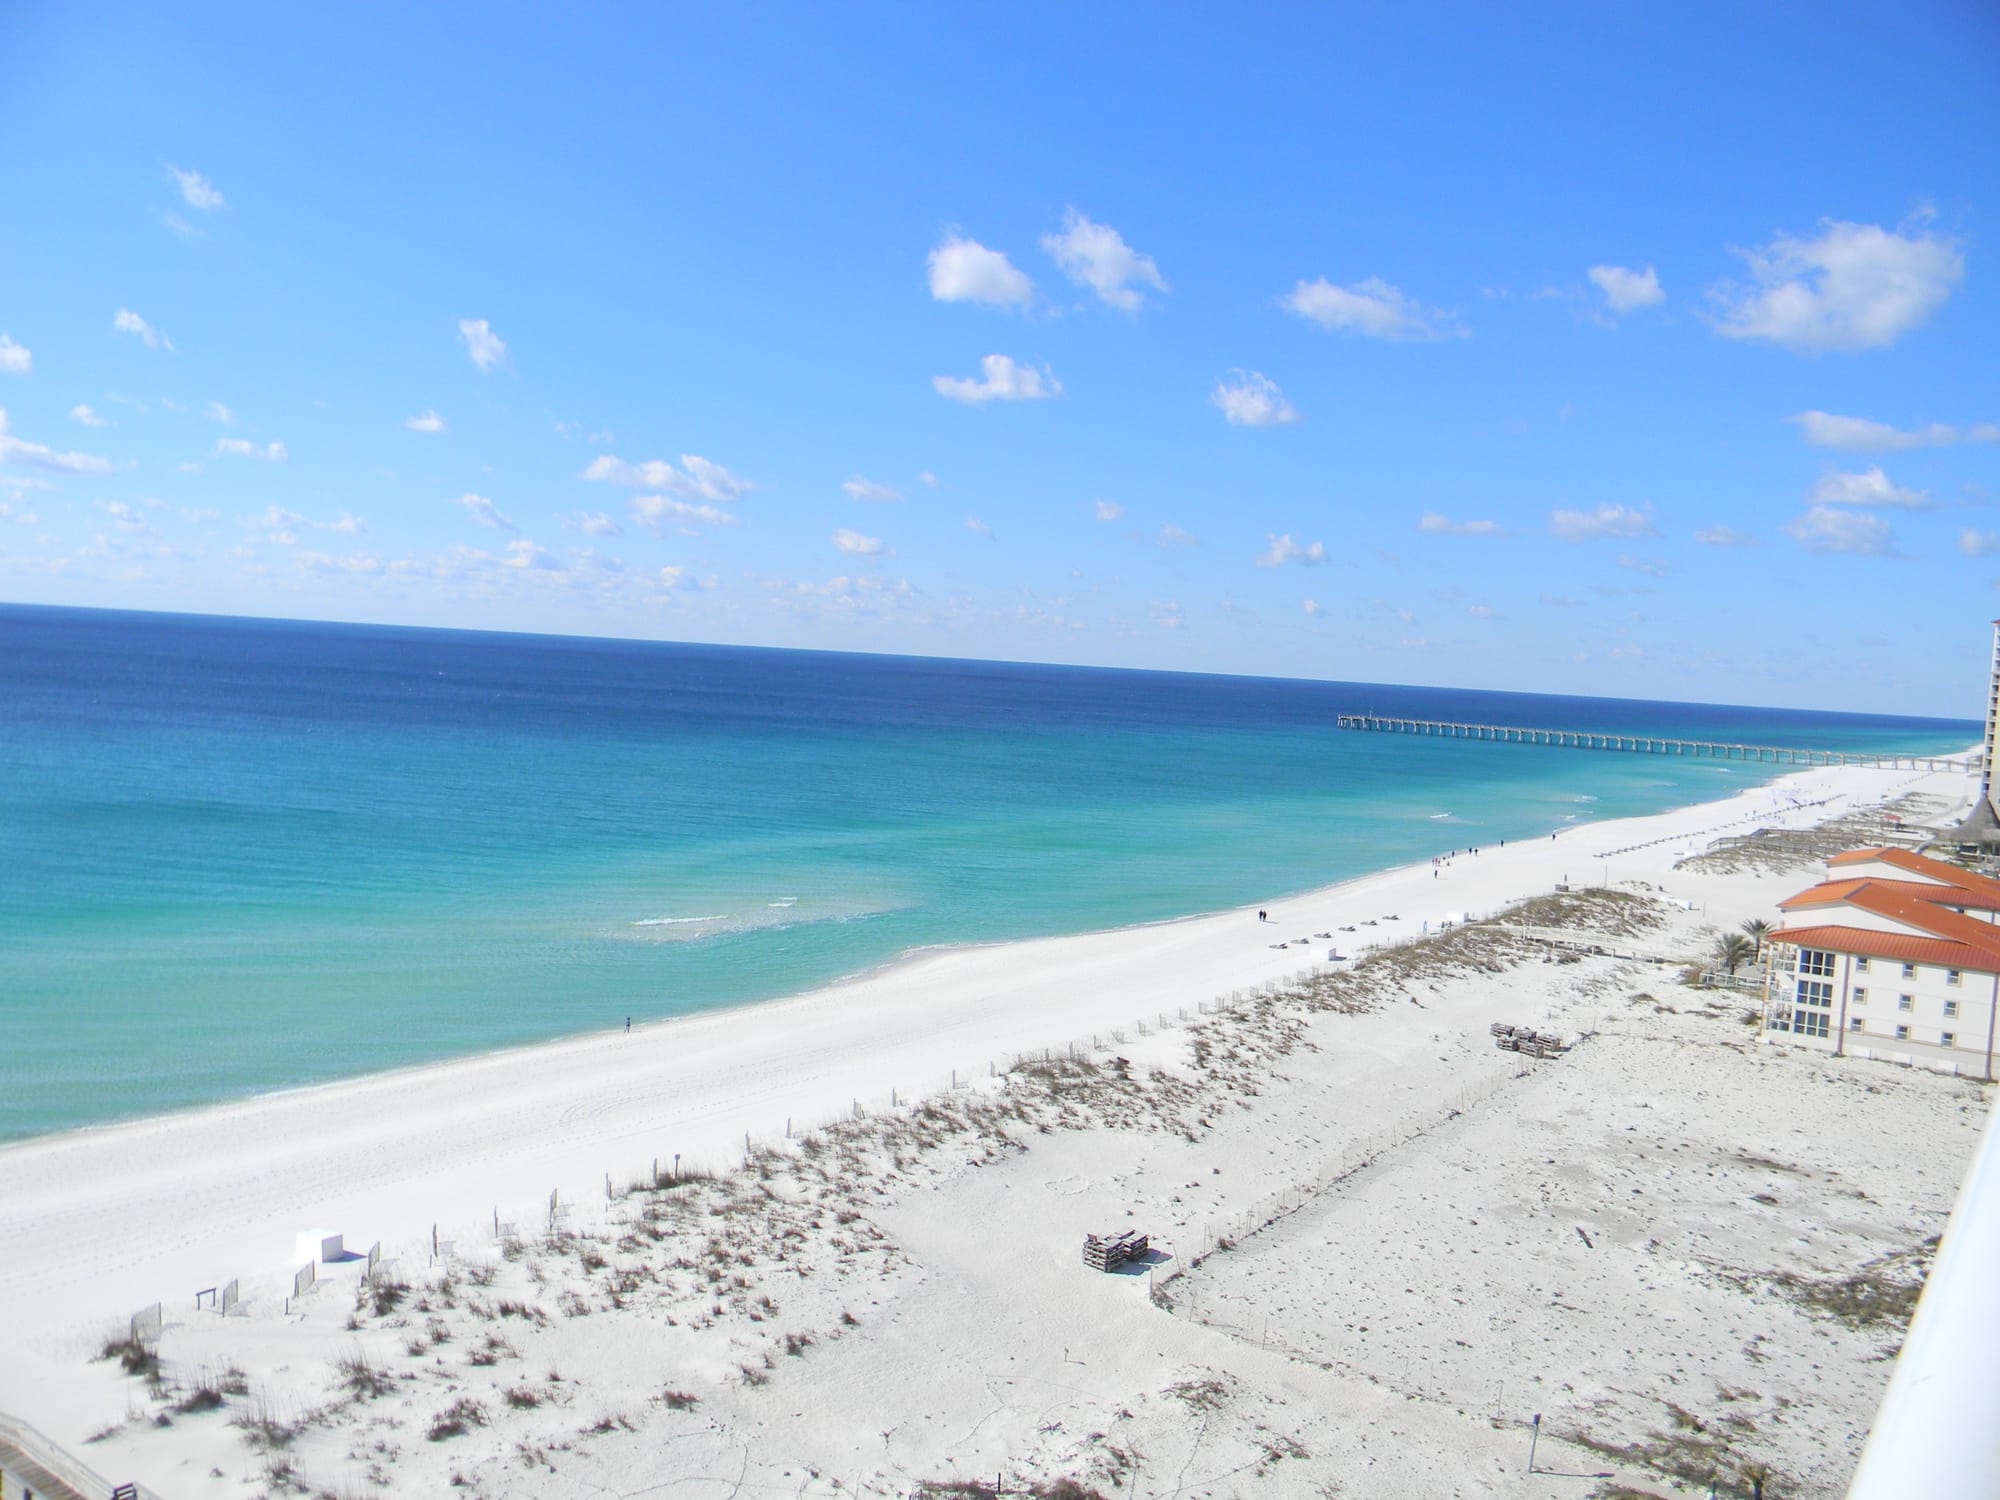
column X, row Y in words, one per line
column 1569, row 348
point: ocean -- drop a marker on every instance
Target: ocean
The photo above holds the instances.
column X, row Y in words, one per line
column 238, row 856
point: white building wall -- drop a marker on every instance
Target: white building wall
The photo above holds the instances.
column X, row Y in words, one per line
column 1992, row 723
column 1924, row 1014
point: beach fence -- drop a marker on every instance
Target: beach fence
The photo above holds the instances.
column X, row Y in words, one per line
column 1354, row 1157
column 899, row 1100
column 145, row 1325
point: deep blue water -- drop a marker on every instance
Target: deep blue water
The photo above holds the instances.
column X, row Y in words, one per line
column 240, row 855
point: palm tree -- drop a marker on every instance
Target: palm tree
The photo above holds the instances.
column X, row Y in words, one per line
column 1732, row 950
column 1758, row 929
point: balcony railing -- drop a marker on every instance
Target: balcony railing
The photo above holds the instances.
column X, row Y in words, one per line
column 1934, row 1435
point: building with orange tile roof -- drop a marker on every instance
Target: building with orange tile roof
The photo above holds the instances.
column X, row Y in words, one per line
column 1894, row 956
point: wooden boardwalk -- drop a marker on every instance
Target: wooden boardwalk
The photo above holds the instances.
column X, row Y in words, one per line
column 1646, row 744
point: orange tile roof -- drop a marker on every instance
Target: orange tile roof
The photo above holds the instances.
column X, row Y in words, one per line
column 1892, row 899
column 1832, row 891
column 1917, row 864
column 1902, row 947
column 1825, row 893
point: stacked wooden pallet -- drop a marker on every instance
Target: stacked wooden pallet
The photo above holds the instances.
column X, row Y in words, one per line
column 1107, row 1252
column 1525, row 1039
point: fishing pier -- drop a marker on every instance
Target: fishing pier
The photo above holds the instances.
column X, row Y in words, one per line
column 1645, row 744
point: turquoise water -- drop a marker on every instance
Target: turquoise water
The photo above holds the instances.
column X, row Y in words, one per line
column 243, row 855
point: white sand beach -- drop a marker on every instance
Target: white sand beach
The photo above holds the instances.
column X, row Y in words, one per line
column 1460, row 1237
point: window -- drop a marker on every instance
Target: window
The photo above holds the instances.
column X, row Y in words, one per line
column 1909, row 971
column 1947, row 1039
column 1902, row 1033
column 1815, row 992
column 1861, row 997
column 1809, row 1022
column 1854, row 1023
column 1952, row 976
column 1781, row 1020
column 1950, row 1009
column 1815, row 961
column 1861, row 964
column 1905, row 1002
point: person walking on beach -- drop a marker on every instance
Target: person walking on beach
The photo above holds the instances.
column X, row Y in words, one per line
column 628, row 1026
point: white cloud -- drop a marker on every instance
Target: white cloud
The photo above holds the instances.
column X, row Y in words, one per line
column 1167, row 614
column 1853, row 286
column 127, row 321
column 15, row 359
column 86, row 416
column 123, row 516
column 591, row 560
column 1096, row 256
column 596, row 523
column 1251, row 399
column 282, row 525
column 1835, row 528
column 1601, row 521
column 217, row 412
column 859, row 488
column 1372, row 307
column 856, row 543
column 485, row 512
column 327, row 562
column 963, row 270
column 1311, row 607
column 487, row 348
column 1825, row 430
column 657, row 511
column 1170, row 535
column 1870, row 487
column 1724, row 536
column 1652, row 567
column 1283, row 549
column 522, row 553
column 425, row 421
column 1109, row 510
column 1978, row 543
column 696, row 479
column 197, row 191
column 1000, row 380
column 675, row 577
column 978, row 527
column 1627, row 290
column 711, row 479
column 244, row 448
column 41, row 456
column 927, row 478
column 1443, row 525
